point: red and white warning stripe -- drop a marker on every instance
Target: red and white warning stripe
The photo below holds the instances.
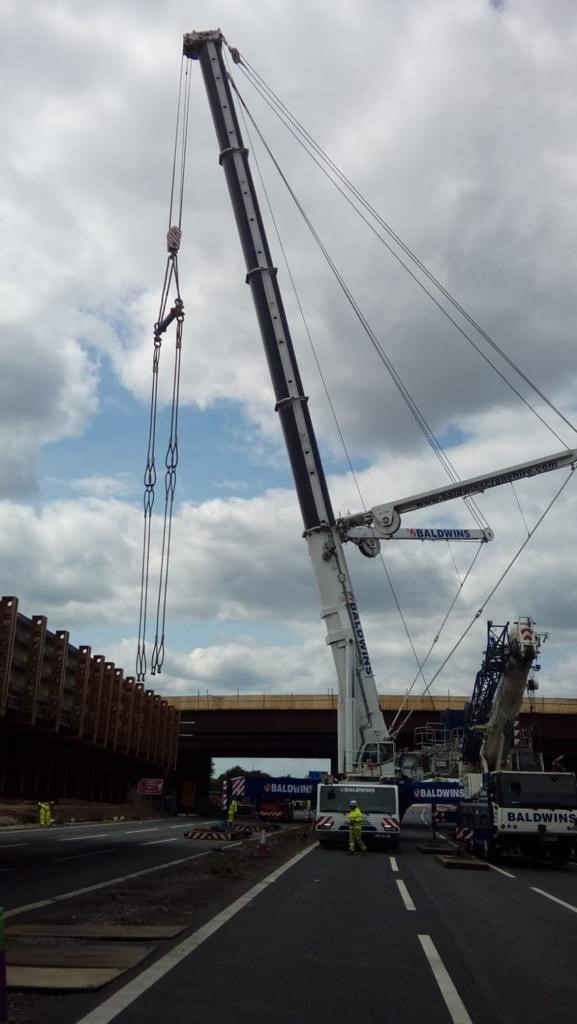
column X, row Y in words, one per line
column 517, row 734
column 324, row 822
column 389, row 823
column 238, row 786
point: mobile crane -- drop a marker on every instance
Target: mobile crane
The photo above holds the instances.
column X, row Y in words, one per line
column 510, row 803
column 366, row 750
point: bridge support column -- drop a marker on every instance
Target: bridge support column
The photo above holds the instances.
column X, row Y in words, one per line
column 192, row 776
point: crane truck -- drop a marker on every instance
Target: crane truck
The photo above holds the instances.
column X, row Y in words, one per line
column 366, row 750
column 510, row 803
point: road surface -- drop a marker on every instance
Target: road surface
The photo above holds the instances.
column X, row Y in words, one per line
column 37, row 864
column 374, row 938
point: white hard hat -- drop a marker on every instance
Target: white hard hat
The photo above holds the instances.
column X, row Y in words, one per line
column 353, row 803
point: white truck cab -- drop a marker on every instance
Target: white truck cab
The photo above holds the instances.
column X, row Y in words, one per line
column 379, row 804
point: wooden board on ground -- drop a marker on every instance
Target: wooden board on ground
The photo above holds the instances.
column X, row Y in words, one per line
column 435, row 849
column 120, row 956
column 462, row 862
column 69, row 979
column 111, row 932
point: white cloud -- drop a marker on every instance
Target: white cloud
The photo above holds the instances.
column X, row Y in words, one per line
column 104, row 487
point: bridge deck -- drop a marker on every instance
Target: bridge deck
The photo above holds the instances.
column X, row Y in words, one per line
column 328, row 702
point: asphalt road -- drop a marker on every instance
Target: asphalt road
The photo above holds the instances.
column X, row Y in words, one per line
column 37, row 864
column 370, row 937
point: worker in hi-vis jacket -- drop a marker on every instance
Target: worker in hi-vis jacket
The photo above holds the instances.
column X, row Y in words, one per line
column 355, row 827
column 231, row 812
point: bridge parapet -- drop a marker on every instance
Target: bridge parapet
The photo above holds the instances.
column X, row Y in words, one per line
column 328, row 702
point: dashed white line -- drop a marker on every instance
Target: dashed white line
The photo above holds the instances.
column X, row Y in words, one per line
column 409, row 905
column 453, row 1001
column 11, row 846
column 549, row 896
column 157, row 842
column 501, row 871
column 394, row 865
column 75, row 839
column 91, row 853
column 137, row 831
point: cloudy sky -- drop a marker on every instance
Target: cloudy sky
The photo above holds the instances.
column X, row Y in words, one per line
column 457, row 122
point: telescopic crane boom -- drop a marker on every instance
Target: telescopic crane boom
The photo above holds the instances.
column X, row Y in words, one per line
column 363, row 738
column 498, row 693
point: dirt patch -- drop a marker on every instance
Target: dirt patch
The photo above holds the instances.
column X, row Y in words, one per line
column 189, row 894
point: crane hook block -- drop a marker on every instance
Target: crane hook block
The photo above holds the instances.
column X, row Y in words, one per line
column 173, row 238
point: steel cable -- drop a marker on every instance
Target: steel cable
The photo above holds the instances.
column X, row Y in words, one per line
column 305, row 139
column 164, row 320
column 492, row 592
column 333, row 411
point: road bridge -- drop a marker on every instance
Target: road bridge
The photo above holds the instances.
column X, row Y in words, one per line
column 305, row 725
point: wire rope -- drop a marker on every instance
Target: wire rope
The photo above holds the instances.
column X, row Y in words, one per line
column 492, row 591
column 333, row 411
column 305, row 140
column 436, row 637
column 406, row 395
column 164, row 320
column 377, row 345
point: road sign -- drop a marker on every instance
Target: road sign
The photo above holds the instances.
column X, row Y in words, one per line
column 150, row 787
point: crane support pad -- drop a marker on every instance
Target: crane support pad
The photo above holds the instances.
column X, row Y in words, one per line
column 435, row 849
column 465, row 863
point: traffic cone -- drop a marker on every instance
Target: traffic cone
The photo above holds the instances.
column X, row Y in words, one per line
column 262, row 849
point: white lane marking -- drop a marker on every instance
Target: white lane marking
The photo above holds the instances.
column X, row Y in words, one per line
column 137, row 831
column 568, row 906
column 409, row 905
column 75, row 839
column 103, row 885
column 11, row 846
column 91, row 853
column 453, row 1001
column 194, row 824
column 451, row 841
column 501, row 871
column 33, row 830
column 157, row 842
column 394, row 864
column 118, row 1002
